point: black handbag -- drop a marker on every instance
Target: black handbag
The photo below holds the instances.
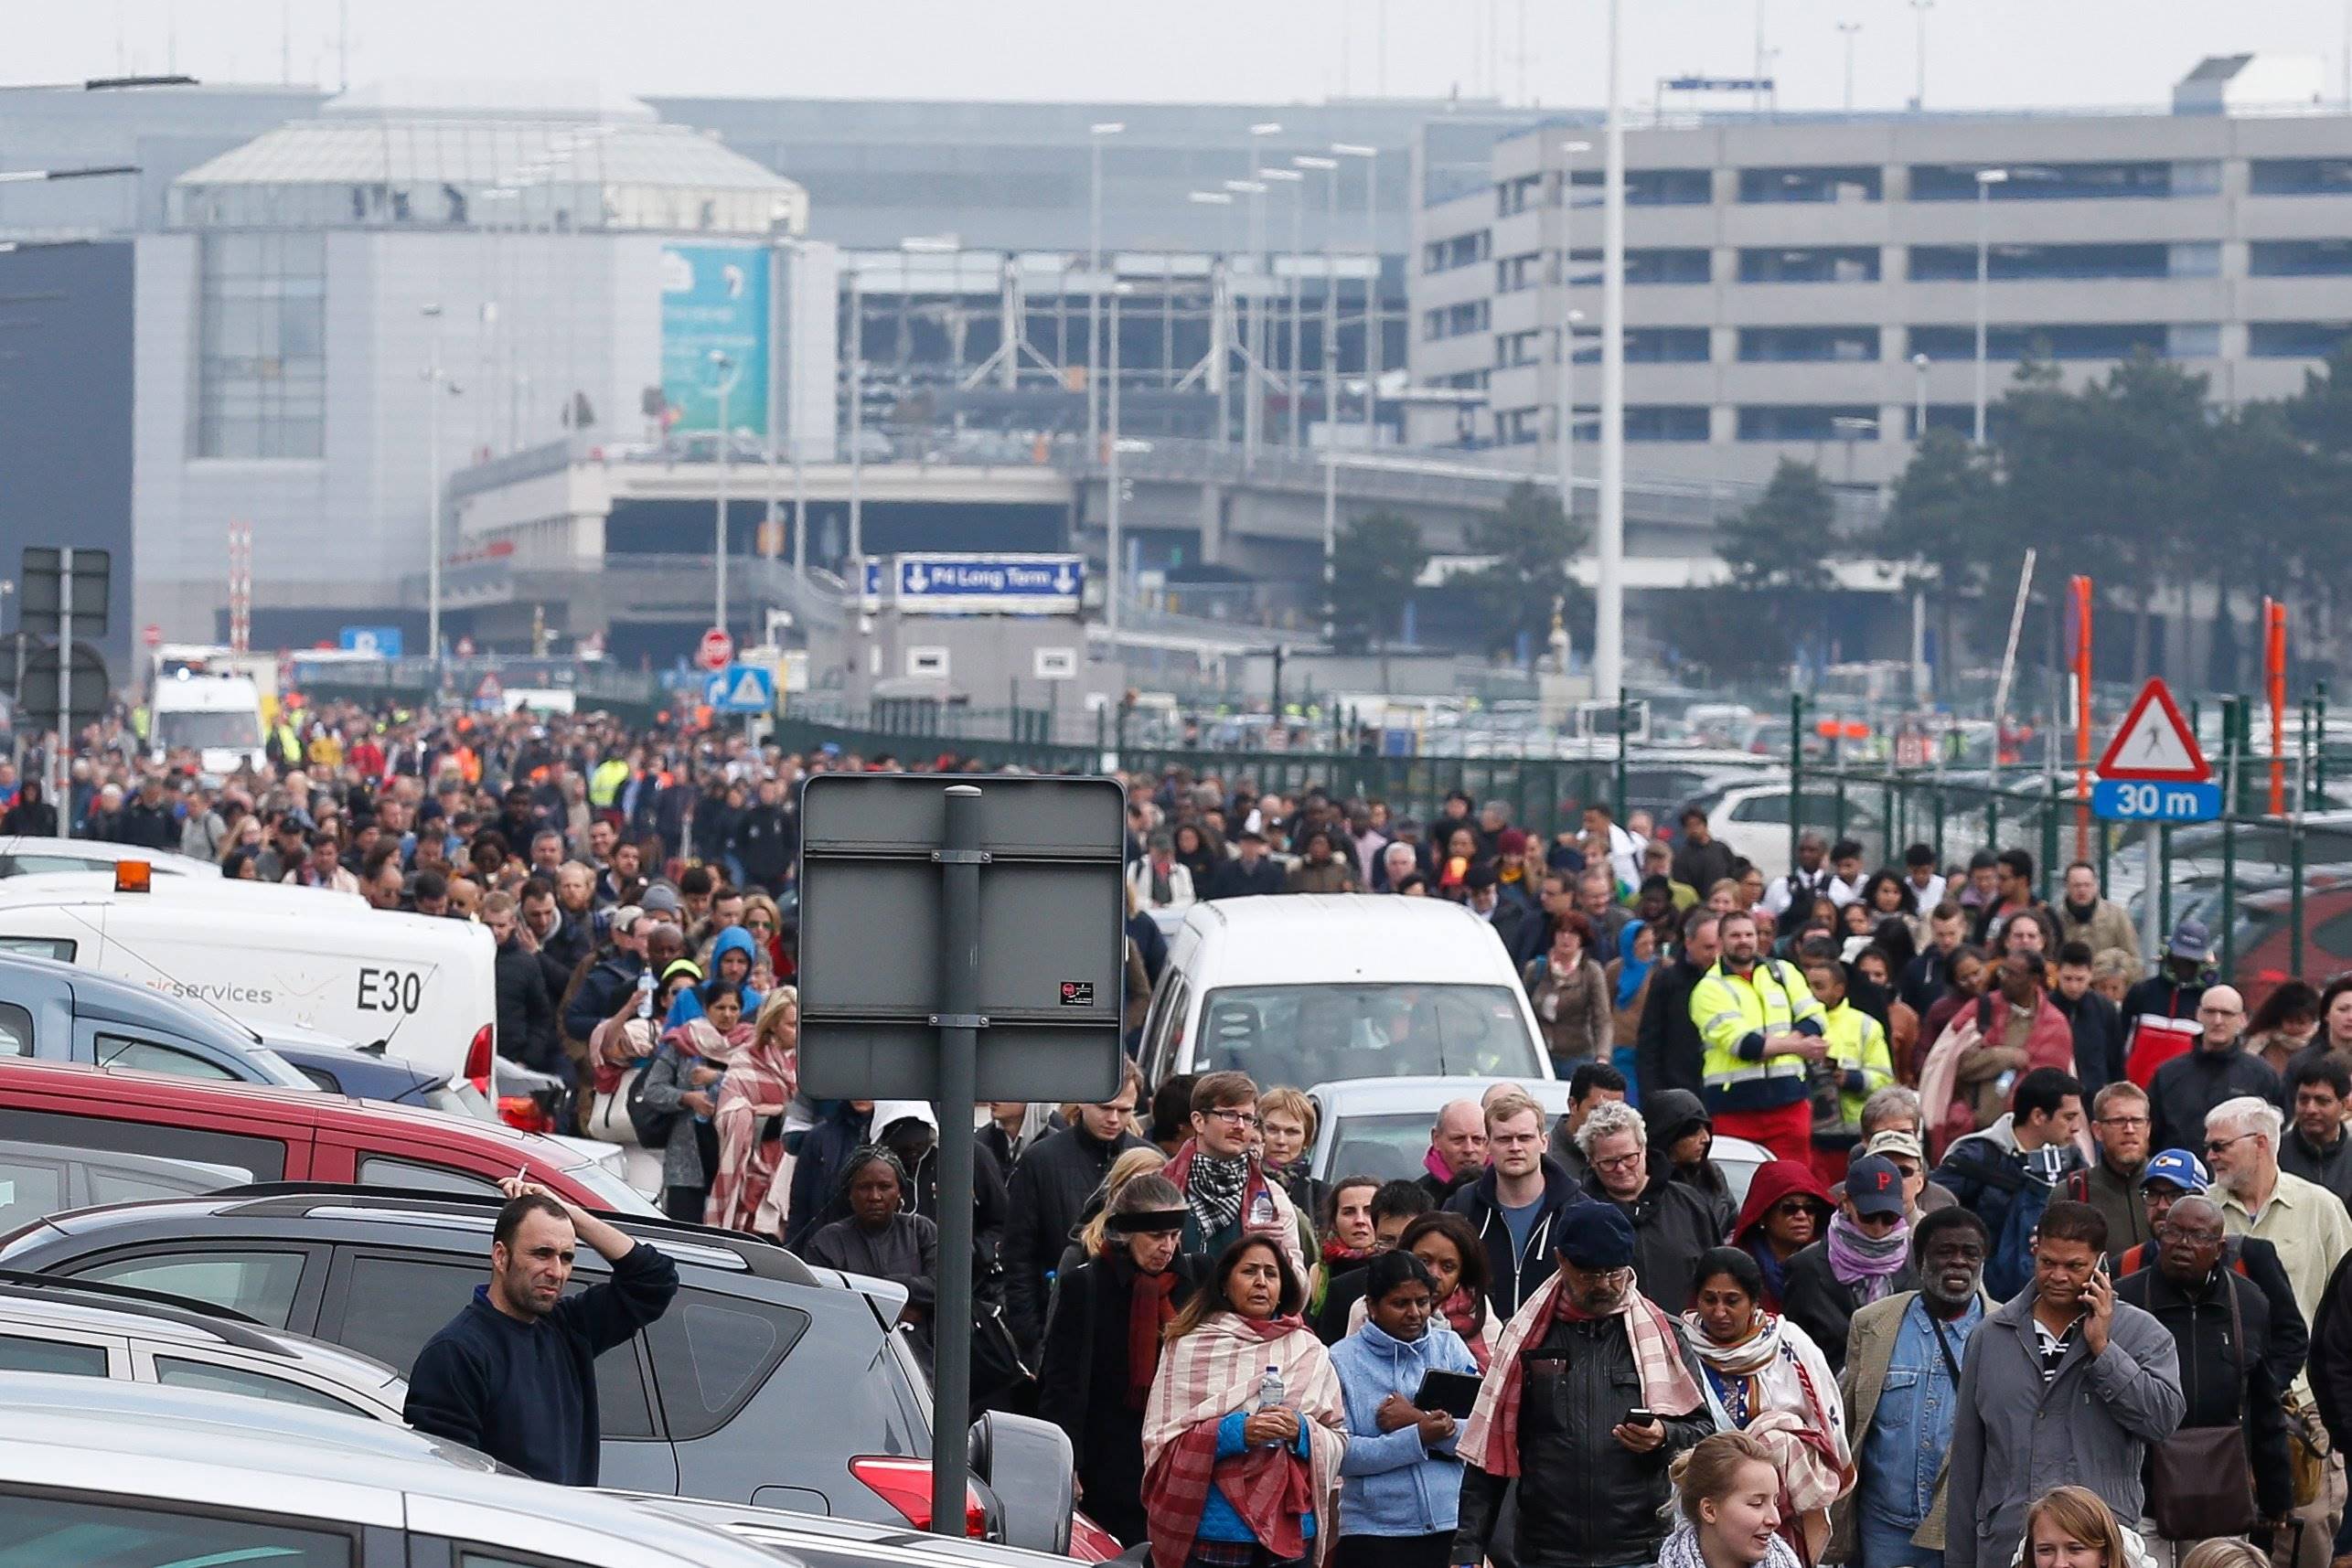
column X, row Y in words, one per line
column 654, row 1126
column 2201, row 1484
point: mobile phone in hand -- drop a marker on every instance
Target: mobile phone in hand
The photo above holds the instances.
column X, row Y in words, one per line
column 1636, row 1417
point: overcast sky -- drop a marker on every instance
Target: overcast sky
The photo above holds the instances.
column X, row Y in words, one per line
column 1980, row 52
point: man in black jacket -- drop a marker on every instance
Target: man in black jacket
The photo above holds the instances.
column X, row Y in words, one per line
column 1672, row 1224
column 514, row 1374
column 1667, row 1050
column 1251, row 871
column 1701, row 860
column 1515, row 1207
column 148, row 822
column 2177, row 1174
column 1816, row 1292
column 2315, row 1147
column 526, row 1014
column 2217, row 1068
column 1595, row 1482
column 767, row 835
column 1925, row 977
column 2189, row 1292
column 1049, row 1191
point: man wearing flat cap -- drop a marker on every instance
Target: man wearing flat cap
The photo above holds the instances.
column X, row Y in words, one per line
column 1589, row 1394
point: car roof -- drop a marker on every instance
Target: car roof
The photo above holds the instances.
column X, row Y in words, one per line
column 418, row 1124
column 1394, row 1096
column 96, row 887
column 1338, row 938
column 451, row 1222
column 193, row 1446
column 826, row 1535
column 164, row 860
column 110, row 1000
column 155, row 1320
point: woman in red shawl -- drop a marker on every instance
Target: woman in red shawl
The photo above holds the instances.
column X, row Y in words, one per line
column 1227, row 1485
column 1787, row 1210
column 1103, row 1341
column 753, row 1175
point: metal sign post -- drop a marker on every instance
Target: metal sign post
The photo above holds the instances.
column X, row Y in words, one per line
column 1003, row 907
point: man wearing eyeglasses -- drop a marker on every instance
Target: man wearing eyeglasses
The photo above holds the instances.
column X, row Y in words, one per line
column 1226, row 1193
column 2120, row 1122
column 1672, row 1223
column 2185, row 1088
column 2305, row 1222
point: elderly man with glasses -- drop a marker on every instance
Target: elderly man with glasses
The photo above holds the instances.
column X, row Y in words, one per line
column 2218, row 1069
column 2305, row 1222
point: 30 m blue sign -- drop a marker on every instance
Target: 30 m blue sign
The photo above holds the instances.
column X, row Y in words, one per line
column 2140, row 800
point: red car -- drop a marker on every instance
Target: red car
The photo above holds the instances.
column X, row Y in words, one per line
column 253, row 1133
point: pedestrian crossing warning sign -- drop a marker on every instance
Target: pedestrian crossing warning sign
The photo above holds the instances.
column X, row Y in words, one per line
column 2154, row 742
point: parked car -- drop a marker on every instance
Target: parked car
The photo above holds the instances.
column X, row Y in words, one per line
column 295, row 1134
column 54, row 1012
column 83, row 1329
column 766, row 1382
column 1304, row 987
column 2258, row 852
column 1751, row 819
column 39, row 1178
column 100, row 1475
column 1380, row 1127
column 820, row 1543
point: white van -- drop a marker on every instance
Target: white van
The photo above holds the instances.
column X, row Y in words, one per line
column 1312, row 988
column 266, row 953
column 218, row 717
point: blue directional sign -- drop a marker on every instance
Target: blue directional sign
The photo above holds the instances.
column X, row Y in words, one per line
column 873, row 577
column 989, row 584
column 2140, row 800
column 384, row 641
column 740, row 688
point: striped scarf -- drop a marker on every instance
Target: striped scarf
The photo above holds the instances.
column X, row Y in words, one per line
column 1491, row 1437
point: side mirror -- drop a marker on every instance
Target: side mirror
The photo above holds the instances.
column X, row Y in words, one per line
column 1028, row 1464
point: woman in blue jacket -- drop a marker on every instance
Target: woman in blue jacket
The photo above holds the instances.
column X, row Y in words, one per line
column 1400, row 1482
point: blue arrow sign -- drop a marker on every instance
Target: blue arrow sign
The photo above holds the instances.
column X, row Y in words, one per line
column 2134, row 800
column 983, row 584
column 740, row 688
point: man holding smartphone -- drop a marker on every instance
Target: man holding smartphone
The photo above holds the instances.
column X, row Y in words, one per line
column 1589, row 1394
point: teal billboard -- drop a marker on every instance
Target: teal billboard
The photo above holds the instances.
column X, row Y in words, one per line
column 715, row 297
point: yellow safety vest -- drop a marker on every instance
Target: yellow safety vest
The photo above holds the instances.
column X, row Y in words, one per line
column 605, row 783
column 1857, row 1043
column 1728, row 1008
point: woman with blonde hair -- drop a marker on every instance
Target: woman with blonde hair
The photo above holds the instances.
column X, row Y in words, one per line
column 2072, row 1527
column 753, row 1171
column 1088, row 1241
column 1727, row 1507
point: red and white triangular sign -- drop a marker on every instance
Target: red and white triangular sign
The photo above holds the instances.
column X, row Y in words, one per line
column 2154, row 743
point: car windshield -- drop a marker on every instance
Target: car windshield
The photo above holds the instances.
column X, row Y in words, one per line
column 211, row 728
column 1387, row 1148
column 1314, row 1034
column 616, row 1195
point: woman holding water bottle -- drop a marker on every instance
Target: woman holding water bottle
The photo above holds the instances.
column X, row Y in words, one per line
column 1245, row 1430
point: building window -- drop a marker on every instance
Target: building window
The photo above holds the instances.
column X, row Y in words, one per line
column 1454, row 321
column 1851, row 345
column 262, row 346
column 2295, row 339
column 1656, row 187
column 1518, row 195
column 1661, row 345
column 2299, row 177
column 1520, row 427
column 1461, row 250
column 2055, row 340
column 2046, row 182
column 1513, row 274
column 1855, row 182
column 1665, row 421
column 2010, row 263
column 2300, row 258
column 1658, row 265
column 1809, row 421
column 1823, row 264
column 1520, row 348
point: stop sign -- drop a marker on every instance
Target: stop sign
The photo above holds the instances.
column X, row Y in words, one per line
column 152, row 635
column 717, row 650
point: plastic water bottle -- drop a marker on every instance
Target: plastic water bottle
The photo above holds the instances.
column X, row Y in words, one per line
column 1270, row 1394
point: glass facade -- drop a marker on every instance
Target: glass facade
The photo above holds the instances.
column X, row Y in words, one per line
column 1787, row 345
column 1819, row 264
column 262, row 346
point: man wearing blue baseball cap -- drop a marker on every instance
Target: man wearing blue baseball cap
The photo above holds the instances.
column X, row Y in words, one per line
column 2174, row 1174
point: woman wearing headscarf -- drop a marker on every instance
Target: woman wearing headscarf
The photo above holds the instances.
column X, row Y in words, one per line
column 684, row 1079
column 1767, row 1378
column 882, row 1238
column 1226, row 1484
column 752, row 1176
column 1784, row 1213
column 1103, row 1340
column 733, row 956
column 1628, row 977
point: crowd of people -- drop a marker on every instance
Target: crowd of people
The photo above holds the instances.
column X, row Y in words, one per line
column 2022, row 1251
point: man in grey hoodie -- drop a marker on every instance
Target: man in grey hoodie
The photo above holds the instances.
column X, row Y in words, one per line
column 2063, row 1385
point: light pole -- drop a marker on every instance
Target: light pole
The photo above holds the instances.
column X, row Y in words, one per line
column 1920, row 398
column 1986, row 180
column 1372, row 347
column 1297, row 184
column 1569, row 316
column 1112, row 538
column 854, row 567
column 722, row 370
column 432, row 314
column 1250, row 315
column 1609, row 533
column 1330, row 169
column 1848, row 29
column 1095, row 135
column 1919, row 9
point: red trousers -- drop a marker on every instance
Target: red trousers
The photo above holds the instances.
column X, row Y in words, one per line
column 1786, row 1130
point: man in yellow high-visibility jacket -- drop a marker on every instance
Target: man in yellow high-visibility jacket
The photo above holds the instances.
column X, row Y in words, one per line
column 1860, row 1055
column 1762, row 1030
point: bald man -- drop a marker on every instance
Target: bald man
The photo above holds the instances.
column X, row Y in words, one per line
column 2219, row 1069
column 1457, row 1149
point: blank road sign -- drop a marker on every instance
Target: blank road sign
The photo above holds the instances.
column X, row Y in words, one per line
column 1052, row 935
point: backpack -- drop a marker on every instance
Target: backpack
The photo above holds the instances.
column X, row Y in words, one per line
column 654, row 1126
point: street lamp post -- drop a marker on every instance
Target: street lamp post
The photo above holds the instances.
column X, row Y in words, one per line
column 1986, row 180
column 1920, row 398
column 433, row 466
column 1113, row 539
column 1330, row 168
column 1372, row 345
column 854, row 568
column 1297, row 184
column 1609, row 531
column 1848, row 29
column 1569, row 316
column 1095, row 135
column 723, row 369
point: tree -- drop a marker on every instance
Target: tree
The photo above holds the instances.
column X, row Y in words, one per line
column 1532, row 541
column 1778, row 550
column 1374, row 562
column 1946, row 508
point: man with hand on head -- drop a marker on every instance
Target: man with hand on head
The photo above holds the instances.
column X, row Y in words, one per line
column 514, row 1374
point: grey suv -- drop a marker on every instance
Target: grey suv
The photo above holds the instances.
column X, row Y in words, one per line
column 767, row 1381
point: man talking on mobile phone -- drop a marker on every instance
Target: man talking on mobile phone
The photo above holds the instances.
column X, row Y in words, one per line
column 2063, row 1385
column 514, row 1374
